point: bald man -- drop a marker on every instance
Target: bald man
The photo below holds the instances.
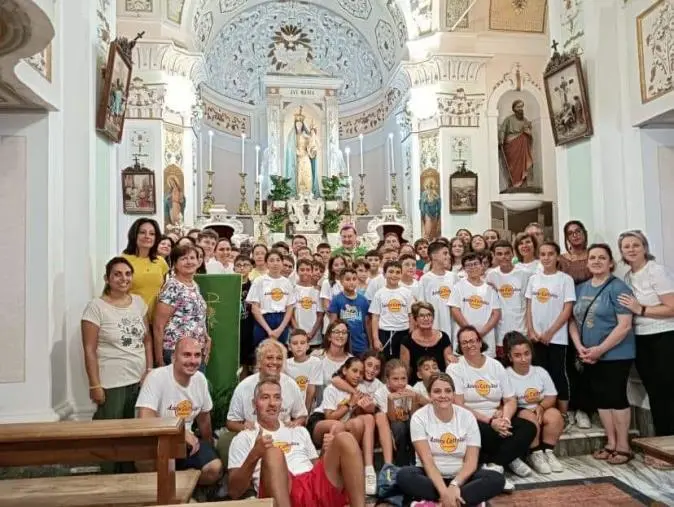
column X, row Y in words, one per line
column 181, row 390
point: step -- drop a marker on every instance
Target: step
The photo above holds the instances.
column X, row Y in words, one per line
column 578, row 442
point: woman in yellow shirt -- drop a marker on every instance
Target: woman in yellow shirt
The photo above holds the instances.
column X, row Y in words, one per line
column 149, row 269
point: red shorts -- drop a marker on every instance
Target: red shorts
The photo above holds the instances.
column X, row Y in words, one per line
column 314, row 489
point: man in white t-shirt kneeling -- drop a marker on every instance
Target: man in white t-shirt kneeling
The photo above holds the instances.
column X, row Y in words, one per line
column 281, row 462
column 181, row 390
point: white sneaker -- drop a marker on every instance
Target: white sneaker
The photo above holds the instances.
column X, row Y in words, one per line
column 370, row 481
column 553, row 462
column 582, row 420
column 508, row 487
column 493, row 467
column 538, row 462
column 520, row 468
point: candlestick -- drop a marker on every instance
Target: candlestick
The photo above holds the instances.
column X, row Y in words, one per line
column 361, row 209
column 258, row 181
column 244, row 209
column 347, row 150
column 388, row 168
column 243, row 153
column 393, row 164
column 362, row 164
column 394, row 193
column 200, row 160
column 210, row 150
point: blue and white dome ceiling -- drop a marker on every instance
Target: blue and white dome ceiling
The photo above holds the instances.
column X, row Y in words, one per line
column 358, row 41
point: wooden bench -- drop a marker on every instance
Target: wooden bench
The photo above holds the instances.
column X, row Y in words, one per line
column 77, row 442
column 658, row 447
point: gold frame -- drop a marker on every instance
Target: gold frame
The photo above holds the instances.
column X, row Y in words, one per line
column 640, row 50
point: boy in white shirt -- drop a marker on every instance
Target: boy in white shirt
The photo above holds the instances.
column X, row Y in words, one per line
column 475, row 303
column 379, row 281
column 511, row 286
column 391, row 311
column 181, row 390
column 308, row 314
column 304, row 369
column 426, row 367
column 374, row 260
column 409, row 272
column 207, row 239
column 435, row 287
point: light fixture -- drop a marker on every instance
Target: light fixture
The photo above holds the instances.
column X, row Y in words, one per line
column 180, row 94
column 423, row 103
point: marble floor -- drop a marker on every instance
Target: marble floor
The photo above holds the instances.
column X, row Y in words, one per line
column 656, row 484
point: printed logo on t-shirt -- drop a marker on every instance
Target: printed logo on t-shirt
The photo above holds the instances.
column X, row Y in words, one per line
column 394, row 305
column 506, row 290
column 475, row 302
column 443, row 292
column 532, row 395
column 482, row 387
column 349, row 312
column 448, row 443
column 276, row 294
column 306, row 303
column 182, row 409
column 343, row 403
column 302, row 382
column 543, row 295
column 284, row 446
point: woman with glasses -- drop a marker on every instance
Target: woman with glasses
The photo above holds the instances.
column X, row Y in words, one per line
column 336, row 349
column 447, row 442
column 653, row 306
column 425, row 341
column 483, row 387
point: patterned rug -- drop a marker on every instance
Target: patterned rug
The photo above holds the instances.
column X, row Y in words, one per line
column 596, row 491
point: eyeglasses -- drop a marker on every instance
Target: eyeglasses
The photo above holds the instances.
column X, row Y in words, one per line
column 339, row 331
column 475, row 264
column 575, row 232
column 469, row 343
column 425, row 316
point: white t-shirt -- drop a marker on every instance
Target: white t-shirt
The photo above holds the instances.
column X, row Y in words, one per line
column 371, row 387
column 532, row 267
column 307, row 305
column 482, row 388
column 420, row 388
column 448, row 440
column 328, row 292
column 304, row 374
column 393, row 307
column 648, row 284
column 215, row 267
column 273, row 295
column 373, row 286
column 436, row 290
column 295, row 443
column 476, row 304
column 548, row 294
column 413, row 288
column 241, row 406
column 530, row 389
column 404, row 406
column 330, row 367
column 121, row 350
column 334, row 398
column 511, row 288
column 161, row 393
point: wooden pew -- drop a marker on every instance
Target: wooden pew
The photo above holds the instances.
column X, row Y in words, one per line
column 77, row 442
column 658, row 447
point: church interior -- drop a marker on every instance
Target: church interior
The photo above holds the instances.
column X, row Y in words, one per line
column 264, row 119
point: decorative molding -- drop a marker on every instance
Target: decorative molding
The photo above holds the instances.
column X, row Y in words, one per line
column 357, row 8
column 386, row 43
column 146, row 101
column 572, row 24
column 231, row 5
column 138, row 6
column 103, row 30
column 453, row 10
column 202, row 29
column 226, row 121
column 444, row 68
column 371, row 119
column 422, row 14
column 174, row 136
column 398, row 20
column 149, row 55
column 429, row 149
column 174, row 10
column 41, row 62
column 460, row 109
column 516, row 79
column 462, row 151
column 517, row 15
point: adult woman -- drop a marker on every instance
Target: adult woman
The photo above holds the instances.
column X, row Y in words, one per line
column 478, row 243
column 165, row 246
column 526, row 248
column 336, row 349
column 149, row 269
column 258, row 254
column 536, row 398
column 464, row 235
column 483, row 387
column 181, row 309
column 573, row 262
column 653, row 305
column 223, row 252
column 491, row 236
column 602, row 332
column 456, row 250
column 425, row 341
column 201, row 265
column 446, row 439
column 117, row 345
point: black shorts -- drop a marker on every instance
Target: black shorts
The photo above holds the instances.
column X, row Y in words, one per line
column 607, row 381
column 313, row 420
column 552, row 357
column 199, row 459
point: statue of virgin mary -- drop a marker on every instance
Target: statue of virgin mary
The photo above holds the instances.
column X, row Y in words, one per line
column 301, row 156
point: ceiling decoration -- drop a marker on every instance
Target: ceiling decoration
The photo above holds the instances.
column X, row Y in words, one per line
column 517, row 15
column 138, row 6
column 295, row 38
column 399, row 20
column 174, row 10
column 231, row 5
column 357, row 8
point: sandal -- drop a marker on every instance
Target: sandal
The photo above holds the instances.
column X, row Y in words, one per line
column 603, row 454
column 620, row 457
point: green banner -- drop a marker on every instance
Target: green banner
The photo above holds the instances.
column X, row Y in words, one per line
column 223, row 297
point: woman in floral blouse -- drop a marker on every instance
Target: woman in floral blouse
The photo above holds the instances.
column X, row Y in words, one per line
column 181, row 309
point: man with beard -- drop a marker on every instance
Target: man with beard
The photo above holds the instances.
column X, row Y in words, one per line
column 181, row 390
column 515, row 140
column 281, row 462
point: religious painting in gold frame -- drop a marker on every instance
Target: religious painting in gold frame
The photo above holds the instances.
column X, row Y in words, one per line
column 115, row 94
column 463, row 191
column 138, row 191
column 655, row 40
column 430, row 204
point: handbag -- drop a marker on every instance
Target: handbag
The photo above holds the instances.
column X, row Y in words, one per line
column 580, row 365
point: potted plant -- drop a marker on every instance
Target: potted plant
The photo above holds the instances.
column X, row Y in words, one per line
column 280, row 191
column 332, row 219
column 276, row 222
column 332, row 186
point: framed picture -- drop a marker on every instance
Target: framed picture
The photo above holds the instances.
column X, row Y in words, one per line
column 138, row 191
column 567, row 101
column 654, row 39
column 115, row 93
column 463, row 191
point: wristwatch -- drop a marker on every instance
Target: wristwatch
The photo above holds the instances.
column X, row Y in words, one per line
column 455, row 483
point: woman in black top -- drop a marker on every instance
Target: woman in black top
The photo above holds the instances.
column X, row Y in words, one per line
column 425, row 341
